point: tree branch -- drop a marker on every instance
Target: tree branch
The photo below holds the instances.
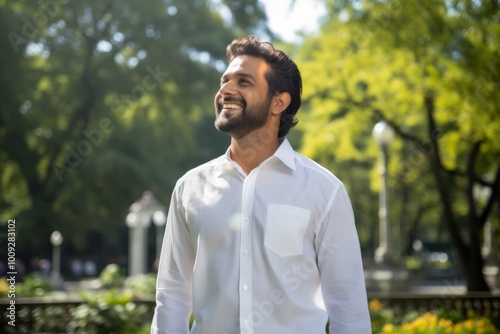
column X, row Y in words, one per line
column 80, row 117
column 397, row 128
column 495, row 191
column 436, row 167
column 471, row 162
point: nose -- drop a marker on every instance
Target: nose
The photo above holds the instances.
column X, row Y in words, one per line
column 225, row 91
column 227, row 88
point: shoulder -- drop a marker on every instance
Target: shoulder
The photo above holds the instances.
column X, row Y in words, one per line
column 306, row 168
column 317, row 172
column 199, row 172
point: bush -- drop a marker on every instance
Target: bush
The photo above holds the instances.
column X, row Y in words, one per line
column 430, row 323
column 142, row 284
column 439, row 322
column 139, row 285
column 34, row 285
column 4, row 287
column 111, row 276
column 112, row 312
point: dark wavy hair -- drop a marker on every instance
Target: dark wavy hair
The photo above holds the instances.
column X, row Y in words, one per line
column 284, row 75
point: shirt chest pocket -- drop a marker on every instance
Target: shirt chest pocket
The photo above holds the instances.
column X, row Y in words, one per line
column 285, row 229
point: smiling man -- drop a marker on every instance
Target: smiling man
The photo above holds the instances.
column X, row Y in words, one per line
column 261, row 240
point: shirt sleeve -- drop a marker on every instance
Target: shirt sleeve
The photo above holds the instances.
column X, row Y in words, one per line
column 341, row 268
column 173, row 287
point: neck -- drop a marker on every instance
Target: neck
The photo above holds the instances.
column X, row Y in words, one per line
column 250, row 151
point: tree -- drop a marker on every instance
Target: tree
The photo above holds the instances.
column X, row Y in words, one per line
column 430, row 69
column 102, row 100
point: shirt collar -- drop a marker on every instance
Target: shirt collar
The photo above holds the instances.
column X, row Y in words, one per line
column 225, row 164
column 284, row 152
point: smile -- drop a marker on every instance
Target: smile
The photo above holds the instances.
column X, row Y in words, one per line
column 231, row 106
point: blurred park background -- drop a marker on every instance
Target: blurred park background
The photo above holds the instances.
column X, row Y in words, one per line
column 105, row 104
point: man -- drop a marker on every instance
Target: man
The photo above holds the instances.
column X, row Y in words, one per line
column 261, row 240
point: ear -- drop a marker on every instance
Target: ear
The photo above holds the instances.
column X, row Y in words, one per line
column 280, row 102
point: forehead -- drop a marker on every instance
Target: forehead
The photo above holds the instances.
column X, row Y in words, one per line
column 247, row 65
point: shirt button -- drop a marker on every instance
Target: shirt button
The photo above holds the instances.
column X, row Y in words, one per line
column 246, row 322
column 245, row 219
column 245, row 252
column 245, row 288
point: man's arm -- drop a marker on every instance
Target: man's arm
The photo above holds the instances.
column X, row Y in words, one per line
column 342, row 275
column 173, row 287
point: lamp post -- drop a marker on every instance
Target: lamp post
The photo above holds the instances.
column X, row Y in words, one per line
column 383, row 135
column 138, row 221
column 56, row 239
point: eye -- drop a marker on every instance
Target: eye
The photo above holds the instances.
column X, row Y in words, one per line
column 244, row 82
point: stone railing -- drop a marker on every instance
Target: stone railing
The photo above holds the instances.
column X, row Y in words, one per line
column 46, row 314
column 29, row 311
column 484, row 304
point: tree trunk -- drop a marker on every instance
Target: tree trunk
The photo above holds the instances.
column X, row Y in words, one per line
column 474, row 270
column 470, row 256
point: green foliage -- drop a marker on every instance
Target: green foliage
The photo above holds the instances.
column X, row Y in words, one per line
column 429, row 69
column 380, row 315
column 138, row 285
column 4, row 287
column 111, row 277
column 412, row 262
column 34, row 285
column 102, row 100
column 108, row 313
column 142, row 284
column 441, row 321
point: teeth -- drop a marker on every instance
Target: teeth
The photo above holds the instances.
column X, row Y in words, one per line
column 231, row 106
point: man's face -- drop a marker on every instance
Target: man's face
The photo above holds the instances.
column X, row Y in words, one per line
column 242, row 103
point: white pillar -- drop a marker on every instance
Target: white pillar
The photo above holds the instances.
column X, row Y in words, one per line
column 137, row 250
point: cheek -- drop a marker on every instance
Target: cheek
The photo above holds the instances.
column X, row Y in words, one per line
column 216, row 99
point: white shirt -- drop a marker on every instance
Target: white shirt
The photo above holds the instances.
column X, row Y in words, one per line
column 272, row 252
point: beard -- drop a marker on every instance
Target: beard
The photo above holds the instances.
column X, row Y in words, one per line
column 248, row 120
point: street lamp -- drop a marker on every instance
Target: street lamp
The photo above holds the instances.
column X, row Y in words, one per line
column 56, row 239
column 383, row 134
column 138, row 221
column 159, row 219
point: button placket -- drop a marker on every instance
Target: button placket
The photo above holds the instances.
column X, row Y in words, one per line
column 245, row 282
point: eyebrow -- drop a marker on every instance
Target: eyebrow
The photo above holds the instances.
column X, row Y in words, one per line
column 240, row 74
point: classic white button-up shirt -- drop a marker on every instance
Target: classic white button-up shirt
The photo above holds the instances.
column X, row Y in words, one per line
column 272, row 252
